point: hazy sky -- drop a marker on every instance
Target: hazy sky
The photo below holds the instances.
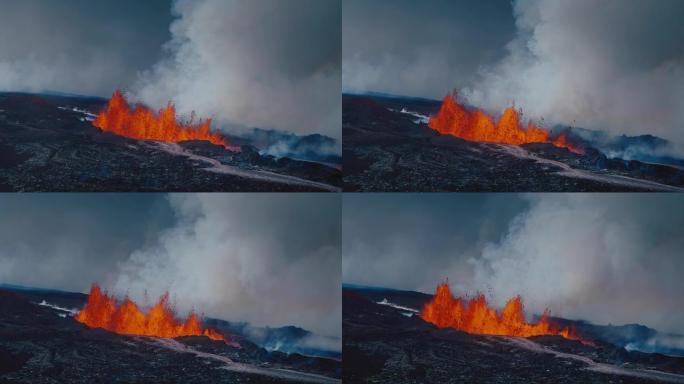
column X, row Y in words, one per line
column 258, row 63
column 616, row 65
column 421, row 48
column 607, row 258
column 269, row 259
column 80, row 46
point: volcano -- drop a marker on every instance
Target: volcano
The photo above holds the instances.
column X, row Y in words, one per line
column 143, row 123
column 102, row 311
column 476, row 316
column 52, row 142
column 43, row 339
column 404, row 144
column 386, row 339
column 454, row 119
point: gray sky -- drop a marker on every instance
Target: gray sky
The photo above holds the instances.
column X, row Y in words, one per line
column 421, row 48
column 606, row 258
column 80, row 46
column 258, row 63
column 615, row 65
column 270, row 259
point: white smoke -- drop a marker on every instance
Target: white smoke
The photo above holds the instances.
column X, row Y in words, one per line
column 257, row 63
column 658, row 343
column 243, row 260
column 612, row 64
column 606, row 259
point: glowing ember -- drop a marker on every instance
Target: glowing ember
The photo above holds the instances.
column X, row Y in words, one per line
column 102, row 311
column 454, row 119
column 143, row 123
column 476, row 316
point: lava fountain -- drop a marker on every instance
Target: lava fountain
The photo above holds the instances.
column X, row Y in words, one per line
column 454, row 119
column 102, row 311
column 143, row 123
column 476, row 316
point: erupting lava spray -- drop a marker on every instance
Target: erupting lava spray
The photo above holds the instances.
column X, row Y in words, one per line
column 456, row 120
column 143, row 123
column 102, row 311
column 476, row 316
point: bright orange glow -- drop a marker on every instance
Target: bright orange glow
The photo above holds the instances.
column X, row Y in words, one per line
column 454, row 119
column 476, row 316
column 102, row 311
column 144, row 124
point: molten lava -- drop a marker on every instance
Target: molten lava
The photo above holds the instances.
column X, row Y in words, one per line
column 476, row 316
column 102, row 311
column 456, row 120
column 144, row 124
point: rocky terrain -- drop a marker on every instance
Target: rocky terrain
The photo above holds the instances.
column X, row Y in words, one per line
column 40, row 342
column 47, row 143
column 385, row 341
column 387, row 146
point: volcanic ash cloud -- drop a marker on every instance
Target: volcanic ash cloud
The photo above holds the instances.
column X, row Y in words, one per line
column 615, row 65
column 257, row 63
column 268, row 260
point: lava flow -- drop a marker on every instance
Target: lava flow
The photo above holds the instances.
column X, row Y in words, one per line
column 456, row 120
column 476, row 316
column 144, row 124
column 102, row 311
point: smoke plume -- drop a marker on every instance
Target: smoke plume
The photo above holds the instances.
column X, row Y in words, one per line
column 257, row 63
column 616, row 65
column 606, row 259
column 267, row 260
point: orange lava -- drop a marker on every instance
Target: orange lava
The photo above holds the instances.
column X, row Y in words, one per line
column 476, row 316
column 102, row 311
column 456, row 120
column 144, row 124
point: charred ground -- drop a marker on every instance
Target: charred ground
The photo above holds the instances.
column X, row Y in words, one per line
column 384, row 344
column 387, row 150
column 40, row 344
column 47, row 143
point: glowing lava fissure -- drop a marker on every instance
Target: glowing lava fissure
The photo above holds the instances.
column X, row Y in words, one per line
column 144, row 124
column 103, row 311
column 454, row 119
column 476, row 316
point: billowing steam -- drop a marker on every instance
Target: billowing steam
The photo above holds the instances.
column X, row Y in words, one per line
column 257, row 63
column 244, row 260
column 616, row 65
column 606, row 259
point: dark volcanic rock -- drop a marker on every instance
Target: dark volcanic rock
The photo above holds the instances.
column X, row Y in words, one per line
column 386, row 150
column 47, row 143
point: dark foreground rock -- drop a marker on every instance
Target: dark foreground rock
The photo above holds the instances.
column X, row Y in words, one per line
column 48, row 143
